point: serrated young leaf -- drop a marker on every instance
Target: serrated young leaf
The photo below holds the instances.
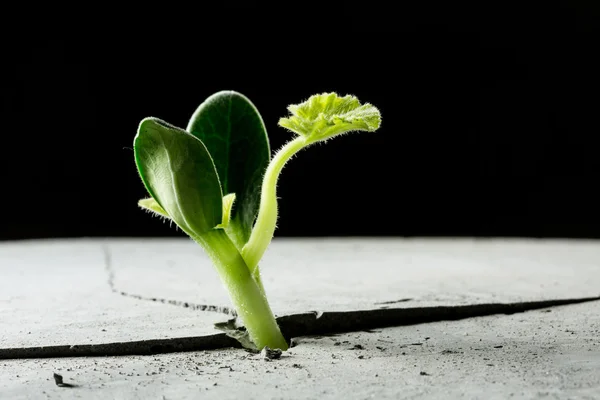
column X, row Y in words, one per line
column 319, row 118
column 326, row 115
column 234, row 133
column 179, row 174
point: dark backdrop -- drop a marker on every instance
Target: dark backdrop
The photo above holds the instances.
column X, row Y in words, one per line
column 489, row 120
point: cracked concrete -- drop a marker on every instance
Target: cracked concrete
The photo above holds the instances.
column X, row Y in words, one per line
column 110, row 273
column 58, row 293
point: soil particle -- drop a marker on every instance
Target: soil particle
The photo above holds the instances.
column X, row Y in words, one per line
column 269, row 354
column 58, row 379
column 450, row 352
column 423, row 373
column 357, row 347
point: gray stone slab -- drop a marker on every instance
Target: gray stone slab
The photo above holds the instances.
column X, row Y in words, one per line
column 67, row 292
column 550, row 354
column 353, row 274
column 59, row 292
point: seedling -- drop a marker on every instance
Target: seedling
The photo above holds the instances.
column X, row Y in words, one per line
column 217, row 182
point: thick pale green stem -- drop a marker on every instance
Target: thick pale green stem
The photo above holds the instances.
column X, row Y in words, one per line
column 245, row 293
column 264, row 228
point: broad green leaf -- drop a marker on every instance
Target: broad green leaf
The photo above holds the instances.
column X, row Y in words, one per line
column 179, row 174
column 151, row 205
column 235, row 135
column 325, row 115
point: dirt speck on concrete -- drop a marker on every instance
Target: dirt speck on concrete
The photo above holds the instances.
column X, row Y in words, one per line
column 58, row 379
column 269, row 354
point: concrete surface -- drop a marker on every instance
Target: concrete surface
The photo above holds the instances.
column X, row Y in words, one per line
column 59, row 292
column 549, row 355
column 339, row 275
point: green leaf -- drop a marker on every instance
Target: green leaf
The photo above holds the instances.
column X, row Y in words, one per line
column 325, row 115
column 151, row 205
column 179, row 174
column 235, row 135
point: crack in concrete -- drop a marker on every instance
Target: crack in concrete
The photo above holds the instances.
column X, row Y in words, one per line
column 200, row 307
column 296, row 325
column 393, row 301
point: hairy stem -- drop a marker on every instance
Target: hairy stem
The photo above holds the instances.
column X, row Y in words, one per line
column 264, row 228
column 245, row 292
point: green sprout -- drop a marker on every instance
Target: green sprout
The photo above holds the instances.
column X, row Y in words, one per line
column 217, row 182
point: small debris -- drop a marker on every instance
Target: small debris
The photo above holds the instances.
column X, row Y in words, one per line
column 393, row 301
column 294, row 342
column 416, row 344
column 58, row 379
column 427, row 338
column 498, row 347
column 380, row 348
column 357, row 347
column 336, row 343
column 297, row 366
column 361, row 357
column 450, row 352
column 423, row 373
column 269, row 354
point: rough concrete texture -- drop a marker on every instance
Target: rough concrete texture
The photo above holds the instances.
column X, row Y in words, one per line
column 59, row 293
column 349, row 274
column 549, row 354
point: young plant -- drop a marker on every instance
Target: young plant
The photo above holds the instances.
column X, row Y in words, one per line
column 217, row 182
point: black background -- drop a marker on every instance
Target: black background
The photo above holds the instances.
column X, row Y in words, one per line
column 489, row 118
